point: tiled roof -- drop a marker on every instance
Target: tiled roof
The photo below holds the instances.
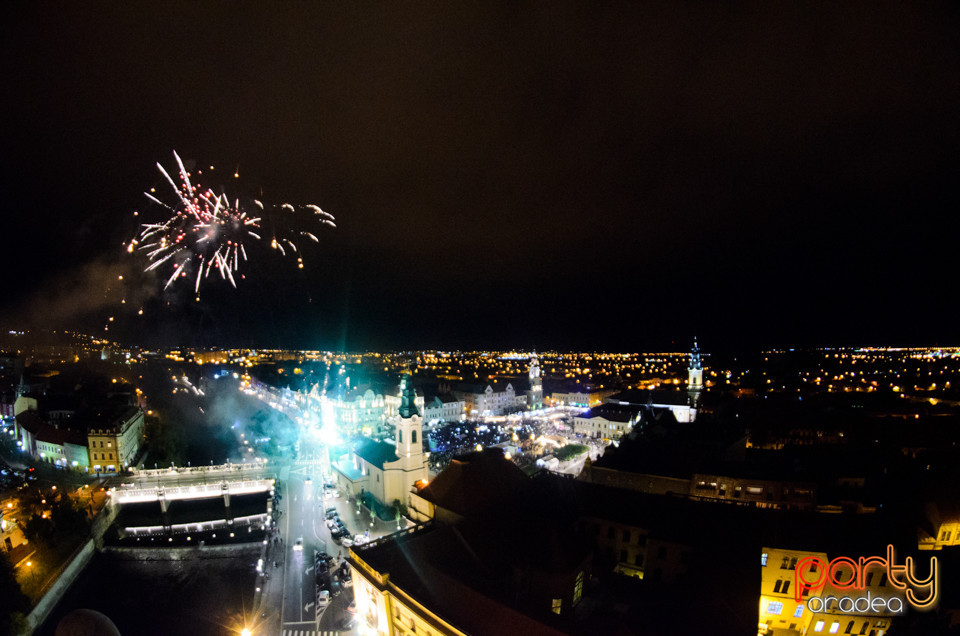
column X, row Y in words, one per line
column 376, row 453
column 473, row 481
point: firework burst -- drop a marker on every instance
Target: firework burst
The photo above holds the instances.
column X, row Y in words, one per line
column 207, row 232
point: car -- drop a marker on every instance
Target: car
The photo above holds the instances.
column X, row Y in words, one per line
column 298, row 546
column 347, row 542
column 323, row 599
column 331, row 514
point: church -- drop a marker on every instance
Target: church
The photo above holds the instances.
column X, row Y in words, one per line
column 387, row 470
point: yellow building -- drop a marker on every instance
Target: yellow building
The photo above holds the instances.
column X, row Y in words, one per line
column 114, row 446
column 782, row 615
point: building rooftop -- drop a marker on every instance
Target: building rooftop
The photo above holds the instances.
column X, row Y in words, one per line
column 613, row 412
column 645, row 396
column 474, row 481
column 376, row 453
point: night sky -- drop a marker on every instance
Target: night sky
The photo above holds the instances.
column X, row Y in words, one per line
column 551, row 175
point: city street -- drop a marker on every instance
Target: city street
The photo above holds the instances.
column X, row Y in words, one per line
column 302, row 531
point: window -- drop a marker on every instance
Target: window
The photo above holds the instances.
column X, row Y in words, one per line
column 835, row 627
column 785, row 564
column 399, row 437
column 781, row 587
column 638, row 560
column 797, row 613
column 946, row 535
column 793, row 563
column 763, row 559
column 623, row 556
column 413, row 437
column 578, row 588
column 849, row 629
column 775, row 607
column 556, row 605
column 818, row 627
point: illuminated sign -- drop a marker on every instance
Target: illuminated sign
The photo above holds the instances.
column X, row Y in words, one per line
column 844, row 573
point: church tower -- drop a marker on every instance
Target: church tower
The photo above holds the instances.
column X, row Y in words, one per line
column 695, row 374
column 535, row 399
column 410, row 424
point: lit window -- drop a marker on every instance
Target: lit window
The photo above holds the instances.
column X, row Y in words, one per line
column 578, row 588
column 763, row 559
column 797, row 613
column 775, row 607
column 835, row 627
column 556, row 605
column 818, row 627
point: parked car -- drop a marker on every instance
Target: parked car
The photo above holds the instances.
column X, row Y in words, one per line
column 323, row 599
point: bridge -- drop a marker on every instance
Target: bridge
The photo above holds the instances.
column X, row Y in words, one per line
column 129, row 493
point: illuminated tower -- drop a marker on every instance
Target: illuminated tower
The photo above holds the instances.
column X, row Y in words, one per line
column 535, row 399
column 409, row 425
column 695, row 374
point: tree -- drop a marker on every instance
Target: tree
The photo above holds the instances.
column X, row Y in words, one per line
column 15, row 603
column 67, row 519
column 38, row 528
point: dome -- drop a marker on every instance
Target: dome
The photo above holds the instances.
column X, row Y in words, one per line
column 86, row 622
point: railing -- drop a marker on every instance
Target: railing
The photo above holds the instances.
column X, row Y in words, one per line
column 256, row 464
column 204, row 526
column 198, row 491
column 393, row 536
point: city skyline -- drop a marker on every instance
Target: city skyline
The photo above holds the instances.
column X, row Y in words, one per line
column 581, row 178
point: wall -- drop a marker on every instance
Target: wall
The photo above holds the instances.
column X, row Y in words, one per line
column 59, row 588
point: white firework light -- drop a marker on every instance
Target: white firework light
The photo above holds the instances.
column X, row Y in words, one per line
column 206, row 231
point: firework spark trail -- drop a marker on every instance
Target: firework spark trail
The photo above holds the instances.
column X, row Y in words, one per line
column 208, row 231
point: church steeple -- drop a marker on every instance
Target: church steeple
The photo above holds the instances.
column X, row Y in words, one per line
column 695, row 373
column 535, row 399
column 409, row 426
column 408, row 397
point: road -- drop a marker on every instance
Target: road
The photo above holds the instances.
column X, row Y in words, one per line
column 303, row 519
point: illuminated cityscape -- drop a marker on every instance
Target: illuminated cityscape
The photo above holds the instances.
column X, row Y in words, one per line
column 482, row 318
